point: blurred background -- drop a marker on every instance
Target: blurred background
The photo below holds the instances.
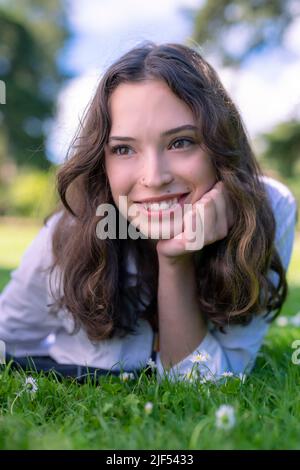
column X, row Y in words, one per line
column 52, row 54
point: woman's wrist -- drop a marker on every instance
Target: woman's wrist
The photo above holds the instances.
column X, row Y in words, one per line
column 172, row 262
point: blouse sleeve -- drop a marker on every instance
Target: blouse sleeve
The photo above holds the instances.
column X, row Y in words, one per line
column 236, row 350
column 25, row 317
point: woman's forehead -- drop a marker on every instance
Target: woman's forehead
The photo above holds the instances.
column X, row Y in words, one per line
column 147, row 105
column 148, row 92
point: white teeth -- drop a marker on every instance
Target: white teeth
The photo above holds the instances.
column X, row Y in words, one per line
column 163, row 205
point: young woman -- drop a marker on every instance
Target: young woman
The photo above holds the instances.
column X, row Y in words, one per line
column 161, row 134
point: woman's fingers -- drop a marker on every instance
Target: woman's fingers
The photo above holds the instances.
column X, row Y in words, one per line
column 194, row 228
column 209, row 220
column 216, row 214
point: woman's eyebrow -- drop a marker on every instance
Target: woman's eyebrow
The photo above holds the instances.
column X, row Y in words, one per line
column 186, row 127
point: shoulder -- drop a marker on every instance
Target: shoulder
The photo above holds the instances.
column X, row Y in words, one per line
column 52, row 220
column 278, row 193
column 45, row 234
column 39, row 251
column 285, row 209
column 283, row 203
column 50, row 224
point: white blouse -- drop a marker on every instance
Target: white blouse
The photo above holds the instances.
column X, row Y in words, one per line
column 28, row 328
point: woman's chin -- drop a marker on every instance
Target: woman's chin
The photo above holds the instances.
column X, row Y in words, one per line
column 160, row 231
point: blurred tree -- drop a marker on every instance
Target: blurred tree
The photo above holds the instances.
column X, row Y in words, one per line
column 235, row 29
column 283, row 146
column 31, row 34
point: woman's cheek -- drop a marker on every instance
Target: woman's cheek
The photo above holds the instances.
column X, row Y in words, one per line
column 203, row 179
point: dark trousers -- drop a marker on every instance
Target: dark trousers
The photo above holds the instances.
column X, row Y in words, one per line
column 80, row 373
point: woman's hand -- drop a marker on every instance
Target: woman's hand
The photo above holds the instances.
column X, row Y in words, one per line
column 209, row 220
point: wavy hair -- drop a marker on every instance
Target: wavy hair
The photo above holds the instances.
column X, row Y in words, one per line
column 232, row 274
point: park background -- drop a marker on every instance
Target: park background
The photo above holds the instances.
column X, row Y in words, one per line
column 52, row 54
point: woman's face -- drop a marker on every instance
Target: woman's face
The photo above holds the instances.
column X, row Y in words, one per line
column 147, row 157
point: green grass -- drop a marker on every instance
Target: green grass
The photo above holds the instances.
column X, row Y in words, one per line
column 110, row 415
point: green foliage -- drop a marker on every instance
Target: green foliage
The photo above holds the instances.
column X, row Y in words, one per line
column 31, row 34
column 283, row 147
column 31, row 194
column 258, row 23
column 4, row 277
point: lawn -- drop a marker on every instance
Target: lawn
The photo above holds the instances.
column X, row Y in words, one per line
column 112, row 413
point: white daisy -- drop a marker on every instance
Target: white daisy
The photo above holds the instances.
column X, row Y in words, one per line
column 151, row 363
column 125, row 376
column 202, row 356
column 31, row 385
column 148, row 407
column 227, row 374
column 225, row 417
column 282, row 321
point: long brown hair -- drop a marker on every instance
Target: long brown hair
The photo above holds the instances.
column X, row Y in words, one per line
column 231, row 273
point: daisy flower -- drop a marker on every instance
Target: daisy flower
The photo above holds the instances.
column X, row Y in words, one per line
column 282, row 321
column 201, row 357
column 125, row 376
column 148, row 407
column 227, row 374
column 31, row 385
column 151, row 363
column 225, row 417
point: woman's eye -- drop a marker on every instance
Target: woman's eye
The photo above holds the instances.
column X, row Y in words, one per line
column 178, row 144
column 188, row 142
column 120, row 149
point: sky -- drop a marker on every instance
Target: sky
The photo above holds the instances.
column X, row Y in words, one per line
column 266, row 91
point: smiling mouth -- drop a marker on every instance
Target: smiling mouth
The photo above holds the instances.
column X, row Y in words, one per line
column 164, row 206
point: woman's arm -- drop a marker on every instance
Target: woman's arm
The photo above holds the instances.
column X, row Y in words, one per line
column 237, row 349
column 181, row 325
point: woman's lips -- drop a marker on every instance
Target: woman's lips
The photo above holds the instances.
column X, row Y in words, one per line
column 149, row 213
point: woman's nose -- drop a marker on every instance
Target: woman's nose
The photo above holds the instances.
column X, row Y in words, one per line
column 156, row 172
